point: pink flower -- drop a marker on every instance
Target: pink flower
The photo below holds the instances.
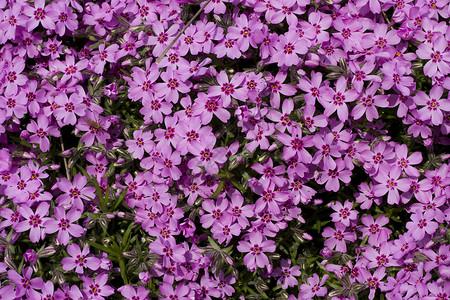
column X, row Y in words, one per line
column 433, row 105
column 375, row 230
column 287, row 275
column 97, row 288
column 34, row 221
column 256, row 247
column 25, row 285
column 336, row 238
column 314, row 287
column 64, row 224
column 39, row 14
column 422, row 223
column 344, row 213
column 79, row 259
column 228, row 88
column 390, row 183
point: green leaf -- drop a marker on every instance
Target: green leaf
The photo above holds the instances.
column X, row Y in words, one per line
column 213, row 244
column 119, row 200
column 126, row 237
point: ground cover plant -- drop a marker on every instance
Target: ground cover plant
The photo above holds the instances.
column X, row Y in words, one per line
column 224, row 149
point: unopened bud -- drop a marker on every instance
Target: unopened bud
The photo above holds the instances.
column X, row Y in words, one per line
column 47, row 252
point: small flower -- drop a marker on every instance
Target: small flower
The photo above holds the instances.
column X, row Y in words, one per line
column 287, row 275
column 313, row 288
column 97, row 288
column 256, row 248
column 79, row 259
column 64, row 224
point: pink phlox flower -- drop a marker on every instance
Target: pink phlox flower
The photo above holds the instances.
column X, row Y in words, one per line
column 282, row 118
column 433, row 105
column 419, row 126
column 228, row 88
column 366, row 196
column 361, row 74
column 105, row 54
column 270, row 172
column 224, row 229
column 255, row 84
column 193, row 68
column 373, row 281
column 66, row 18
column 295, row 145
column 256, row 246
column 381, row 38
column 97, row 288
column 224, row 283
column 166, row 164
column 311, row 121
column 375, row 230
column 439, row 179
column 326, row 149
column 335, row 100
column 287, row 274
column 36, row 97
column 246, row 32
column 10, row 218
column 166, row 137
column 180, row 292
column 390, row 183
column 95, row 127
column 421, row 223
column 129, row 47
column 314, row 287
column 277, row 88
column 191, row 40
column 69, row 108
column 191, row 133
column 12, row 20
column 288, row 48
column 25, row 285
column 39, row 14
column 130, row 293
column 173, row 84
column 383, row 155
column 63, row 223
column 34, row 221
column 70, row 69
column 169, row 250
column 336, row 238
column 21, row 185
column 240, row 212
column 395, row 76
column 405, row 162
column 206, row 108
column 343, row 213
column 300, row 192
column 441, row 258
column 41, row 130
column 380, row 257
column 217, row 211
column 142, row 83
column 142, row 142
column 74, row 193
column 271, row 198
column 12, row 77
column 208, row 157
column 349, row 33
column 258, row 136
column 332, row 176
column 99, row 164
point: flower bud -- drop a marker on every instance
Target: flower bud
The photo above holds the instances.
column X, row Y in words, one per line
column 46, row 252
column 145, row 277
column 30, row 256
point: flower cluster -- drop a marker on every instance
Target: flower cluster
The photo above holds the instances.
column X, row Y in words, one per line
column 223, row 149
